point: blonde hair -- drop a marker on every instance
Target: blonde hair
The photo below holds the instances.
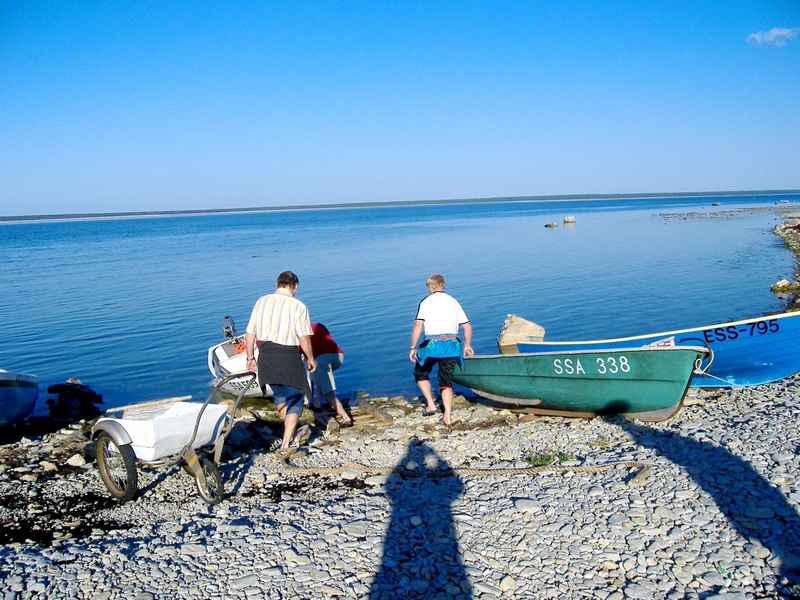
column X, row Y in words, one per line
column 435, row 281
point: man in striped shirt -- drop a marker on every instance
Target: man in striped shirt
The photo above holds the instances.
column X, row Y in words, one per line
column 280, row 326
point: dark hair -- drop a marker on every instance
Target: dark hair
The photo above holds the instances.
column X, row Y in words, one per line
column 287, row 279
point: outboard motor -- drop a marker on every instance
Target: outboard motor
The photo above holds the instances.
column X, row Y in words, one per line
column 228, row 328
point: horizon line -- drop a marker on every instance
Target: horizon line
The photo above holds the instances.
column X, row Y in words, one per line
column 545, row 198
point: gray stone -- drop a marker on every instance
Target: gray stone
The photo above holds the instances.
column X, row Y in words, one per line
column 376, row 480
column 527, row 505
column 714, row 578
column 76, row 460
column 485, row 588
column 638, row 591
column 355, row 529
column 759, row 512
column 782, row 457
column 244, row 581
column 193, row 549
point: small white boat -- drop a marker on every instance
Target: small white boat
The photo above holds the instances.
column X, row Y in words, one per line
column 18, row 395
column 229, row 357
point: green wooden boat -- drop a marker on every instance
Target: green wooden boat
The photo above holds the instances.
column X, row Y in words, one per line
column 646, row 383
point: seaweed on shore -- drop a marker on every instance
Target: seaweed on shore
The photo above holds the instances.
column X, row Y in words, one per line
column 43, row 520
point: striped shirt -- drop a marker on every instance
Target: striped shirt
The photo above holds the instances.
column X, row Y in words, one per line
column 279, row 318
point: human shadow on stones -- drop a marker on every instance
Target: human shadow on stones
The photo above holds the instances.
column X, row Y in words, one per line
column 421, row 558
column 757, row 510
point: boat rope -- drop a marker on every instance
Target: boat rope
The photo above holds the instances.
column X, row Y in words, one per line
column 699, row 370
column 704, row 371
column 638, row 479
column 730, row 383
column 698, row 363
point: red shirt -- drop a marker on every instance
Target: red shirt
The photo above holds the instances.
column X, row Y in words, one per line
column 322, row 342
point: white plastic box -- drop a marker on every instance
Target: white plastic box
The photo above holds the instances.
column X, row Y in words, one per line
column 155, row 436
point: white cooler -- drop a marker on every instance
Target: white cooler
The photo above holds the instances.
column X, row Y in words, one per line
column 166, row 433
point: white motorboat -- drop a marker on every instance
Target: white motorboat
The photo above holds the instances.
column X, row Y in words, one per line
column 18, row 395
column 229, row 357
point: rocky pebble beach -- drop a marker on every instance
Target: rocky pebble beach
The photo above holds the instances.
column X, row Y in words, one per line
column 716, row 515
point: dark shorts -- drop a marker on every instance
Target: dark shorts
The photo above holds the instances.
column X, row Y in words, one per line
column 444, row 375
column 291, row 397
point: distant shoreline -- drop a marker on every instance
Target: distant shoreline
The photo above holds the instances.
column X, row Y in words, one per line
column 550, row 198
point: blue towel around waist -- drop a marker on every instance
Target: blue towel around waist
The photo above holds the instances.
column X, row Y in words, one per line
column 441, row 347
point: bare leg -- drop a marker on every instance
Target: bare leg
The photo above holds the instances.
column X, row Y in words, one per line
column 289, row 425
column 337, row 406
column 425, row 387
column 447, row 404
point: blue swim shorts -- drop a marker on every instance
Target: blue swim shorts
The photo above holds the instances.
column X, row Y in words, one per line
column 291, row 397
column 323, row 374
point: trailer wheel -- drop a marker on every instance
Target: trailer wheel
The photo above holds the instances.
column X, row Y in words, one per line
column 117, row 466
column 213, row 490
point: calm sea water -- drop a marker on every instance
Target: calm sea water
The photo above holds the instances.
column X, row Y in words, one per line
column 131, row 305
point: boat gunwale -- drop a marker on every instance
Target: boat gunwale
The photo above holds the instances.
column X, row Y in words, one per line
column 698, row 349
column 671, row 332
column 11, row 379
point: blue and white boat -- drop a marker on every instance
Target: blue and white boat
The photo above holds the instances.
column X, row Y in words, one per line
column 229, row 357
column 748, row 352
column 18, row 395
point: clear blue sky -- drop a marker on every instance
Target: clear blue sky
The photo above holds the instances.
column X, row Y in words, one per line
column 125, row 106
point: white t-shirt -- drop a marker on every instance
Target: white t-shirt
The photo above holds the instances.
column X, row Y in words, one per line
column 441, row 314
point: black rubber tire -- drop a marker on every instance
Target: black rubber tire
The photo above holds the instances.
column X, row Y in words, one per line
column 117, row 466
column 214, row 490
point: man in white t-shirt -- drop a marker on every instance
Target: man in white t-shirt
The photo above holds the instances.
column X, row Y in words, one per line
column 439, row 317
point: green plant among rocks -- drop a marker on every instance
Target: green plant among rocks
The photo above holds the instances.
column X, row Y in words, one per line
column 541, row 459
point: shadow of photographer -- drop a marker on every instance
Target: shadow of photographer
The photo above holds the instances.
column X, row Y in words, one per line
column 421, row 558
column 755, row 508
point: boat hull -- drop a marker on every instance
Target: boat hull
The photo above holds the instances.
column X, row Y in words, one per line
column 647, row 383
column 749, row 352
column 18, row 395
column 229, row 357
